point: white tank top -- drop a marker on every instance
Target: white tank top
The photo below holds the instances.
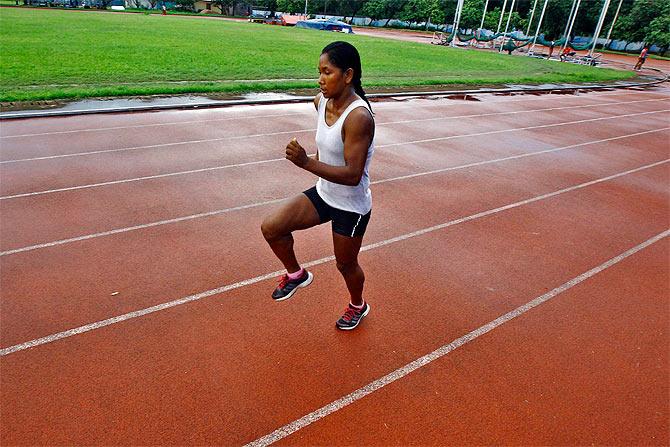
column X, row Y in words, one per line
column 356, row 199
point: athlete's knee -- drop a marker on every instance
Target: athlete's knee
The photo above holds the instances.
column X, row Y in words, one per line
column 271, row 231
column 348, row 267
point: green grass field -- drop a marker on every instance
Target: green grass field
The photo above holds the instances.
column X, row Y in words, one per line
column 56, row 54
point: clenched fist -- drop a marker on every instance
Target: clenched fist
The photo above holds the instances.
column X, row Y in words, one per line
column 296, row 154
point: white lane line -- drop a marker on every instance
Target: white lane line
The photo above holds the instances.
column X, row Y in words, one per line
column 138, row 227
column 403, row 371
column 151, row 146
column 242, row 137
column 269, row 202
column 384, row 105
column 451, row 137
column 139, row 179
column 196, row 297
column 542, row 126
column 142, row 126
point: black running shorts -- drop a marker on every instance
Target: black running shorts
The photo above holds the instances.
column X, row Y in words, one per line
column 345, row 223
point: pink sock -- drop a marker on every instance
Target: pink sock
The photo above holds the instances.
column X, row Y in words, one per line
column 297, row 274
column 357, row 307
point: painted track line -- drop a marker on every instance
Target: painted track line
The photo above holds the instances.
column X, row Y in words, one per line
column 242, row 137
column 403, row 371
column 270, row 202
column 214, row 168
column 542, row 126
column 199, row 296
column 142, row 126
column 281, row 115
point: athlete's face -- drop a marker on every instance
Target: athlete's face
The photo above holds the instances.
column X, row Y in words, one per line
column 332, row 79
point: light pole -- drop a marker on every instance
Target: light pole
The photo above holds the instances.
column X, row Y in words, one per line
column 457, row 19
column 502, row 14
column 532, row 14
column 607, row 39
column 509, row 17
column 537, row 31
column 599, row 27
column 571, row 22
column 486, row 5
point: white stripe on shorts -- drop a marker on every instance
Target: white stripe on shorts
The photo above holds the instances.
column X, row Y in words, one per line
column 360, row 216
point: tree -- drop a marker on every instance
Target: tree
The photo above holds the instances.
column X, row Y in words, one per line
column 635, row 23
column 492, row 18
column 420, row 11
column 659, row 29
column 291, row 6
column 374, row 9
column 222, row 5
column 383, row 9
column 183, row 5
column 351, row 7
column 471, row 16
column 267, row 5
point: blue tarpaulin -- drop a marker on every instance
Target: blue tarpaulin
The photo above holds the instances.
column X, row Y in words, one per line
column 325, row 25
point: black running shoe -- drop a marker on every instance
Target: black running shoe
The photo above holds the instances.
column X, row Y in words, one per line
column 287, row 287
column 352, row 317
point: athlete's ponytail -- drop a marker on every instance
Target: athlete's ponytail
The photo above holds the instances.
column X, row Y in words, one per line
column 345, row 56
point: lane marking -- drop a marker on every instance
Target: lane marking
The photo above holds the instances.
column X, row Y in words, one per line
column 270, row 202
column 405, row 370
column 259, row 135
column 214, row 168
column 310, row 113
column 199, row 296
column 542, row 126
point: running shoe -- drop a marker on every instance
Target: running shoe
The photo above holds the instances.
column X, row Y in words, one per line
column 287, row 287
column 352, row 317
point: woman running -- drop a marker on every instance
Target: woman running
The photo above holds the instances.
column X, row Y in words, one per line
column 345, row 143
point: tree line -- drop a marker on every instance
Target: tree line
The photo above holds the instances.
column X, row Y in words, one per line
column 639, row 20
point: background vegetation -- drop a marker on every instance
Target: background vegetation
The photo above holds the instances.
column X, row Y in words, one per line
column 639, row 20
column 51, row 54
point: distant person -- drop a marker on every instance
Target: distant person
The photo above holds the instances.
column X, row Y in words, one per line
column 567, row 53
column 551, row 48
column 642, row 58
column 509, row 47
column 345, row 144
column 163, row 10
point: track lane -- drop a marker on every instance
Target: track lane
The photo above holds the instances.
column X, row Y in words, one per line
column 160, row 264
column 191, row 374
column 103, row 208
column 295, row 116
column 88, row 173
column 586, row 368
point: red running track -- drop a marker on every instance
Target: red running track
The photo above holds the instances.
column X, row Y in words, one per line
column 111, row 223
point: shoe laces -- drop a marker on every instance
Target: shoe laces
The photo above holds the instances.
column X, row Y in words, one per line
column 349, row 314
column 283, row 280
